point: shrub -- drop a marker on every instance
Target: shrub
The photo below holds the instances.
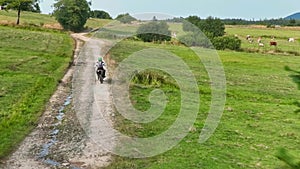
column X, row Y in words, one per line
column 227, row 42
column 154, row 31
column 125, row 18
column 100, row 14
column 195, row 39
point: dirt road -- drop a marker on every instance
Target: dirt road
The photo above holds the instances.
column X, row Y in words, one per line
column 65, row 136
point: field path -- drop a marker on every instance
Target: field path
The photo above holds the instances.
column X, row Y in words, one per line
column 93, row 104
column 75, row 145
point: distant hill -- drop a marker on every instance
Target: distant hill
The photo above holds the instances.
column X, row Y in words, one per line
column 44, row 20
column 294, row 16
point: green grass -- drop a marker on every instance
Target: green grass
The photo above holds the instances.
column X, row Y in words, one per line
column 258, row 118
column 285, row 32
column 177, row 28
column 43, row 20
column 97, row 23
column 31, row 64
column 281, row 36
column 27, row 17
column 115, row 27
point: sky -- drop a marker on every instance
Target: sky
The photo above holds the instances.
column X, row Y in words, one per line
column 244, row 9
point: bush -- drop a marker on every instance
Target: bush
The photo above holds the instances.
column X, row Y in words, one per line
column 125, row 18
column 154, row 31
column 227, row 42
column 193, row 39
column 100, row 14
column 270, row 26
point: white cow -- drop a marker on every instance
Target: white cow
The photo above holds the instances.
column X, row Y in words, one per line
column 174, row 35
column 248, row 37
column 291, row 40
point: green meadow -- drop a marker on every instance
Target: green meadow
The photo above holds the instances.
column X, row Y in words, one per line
column 259, row 116
column 281, row 36
column 42, row 20
column 31, row 65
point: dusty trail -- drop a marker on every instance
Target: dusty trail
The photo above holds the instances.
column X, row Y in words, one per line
column 93, row 105
column 91, row 113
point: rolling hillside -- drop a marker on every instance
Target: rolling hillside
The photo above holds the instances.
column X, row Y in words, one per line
column 294, row 16
column 43, row 20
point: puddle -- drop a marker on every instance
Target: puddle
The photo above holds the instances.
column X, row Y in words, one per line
column 51, row 162
column 45, row 149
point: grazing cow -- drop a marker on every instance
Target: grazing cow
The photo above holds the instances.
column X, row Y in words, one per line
column 261, row 44
column 248, row 37
column 259, row 40
column 174, row 35
column 291, row 40
column 272, row 43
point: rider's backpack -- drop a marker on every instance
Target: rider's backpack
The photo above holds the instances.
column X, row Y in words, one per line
column 100, row 65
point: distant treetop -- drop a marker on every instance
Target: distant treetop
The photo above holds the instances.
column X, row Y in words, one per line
column 100, row 14
column 125, row 18
column 72, row 14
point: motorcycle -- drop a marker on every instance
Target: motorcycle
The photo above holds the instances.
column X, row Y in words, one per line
column 100, row 74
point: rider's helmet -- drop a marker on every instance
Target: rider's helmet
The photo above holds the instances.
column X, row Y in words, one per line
column 100, row 59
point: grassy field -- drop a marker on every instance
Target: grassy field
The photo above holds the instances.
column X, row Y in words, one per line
column 96, row 23
column 44, row 20
column 259, row 116
column 31, row 64
column 281, row 36
column 32, row 61
column 29, row 18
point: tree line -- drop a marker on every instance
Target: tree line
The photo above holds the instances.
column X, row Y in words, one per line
column 266, row 22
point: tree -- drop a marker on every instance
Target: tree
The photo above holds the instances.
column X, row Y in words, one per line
column 292, row 22
column 191, row 24
column 154, row 18
column 212, row 27
column 100, row 14
column 125, row 18
column 21, row 5
column 194, row 20
column 195, row 39
column 154, row 31
column 72, row 14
